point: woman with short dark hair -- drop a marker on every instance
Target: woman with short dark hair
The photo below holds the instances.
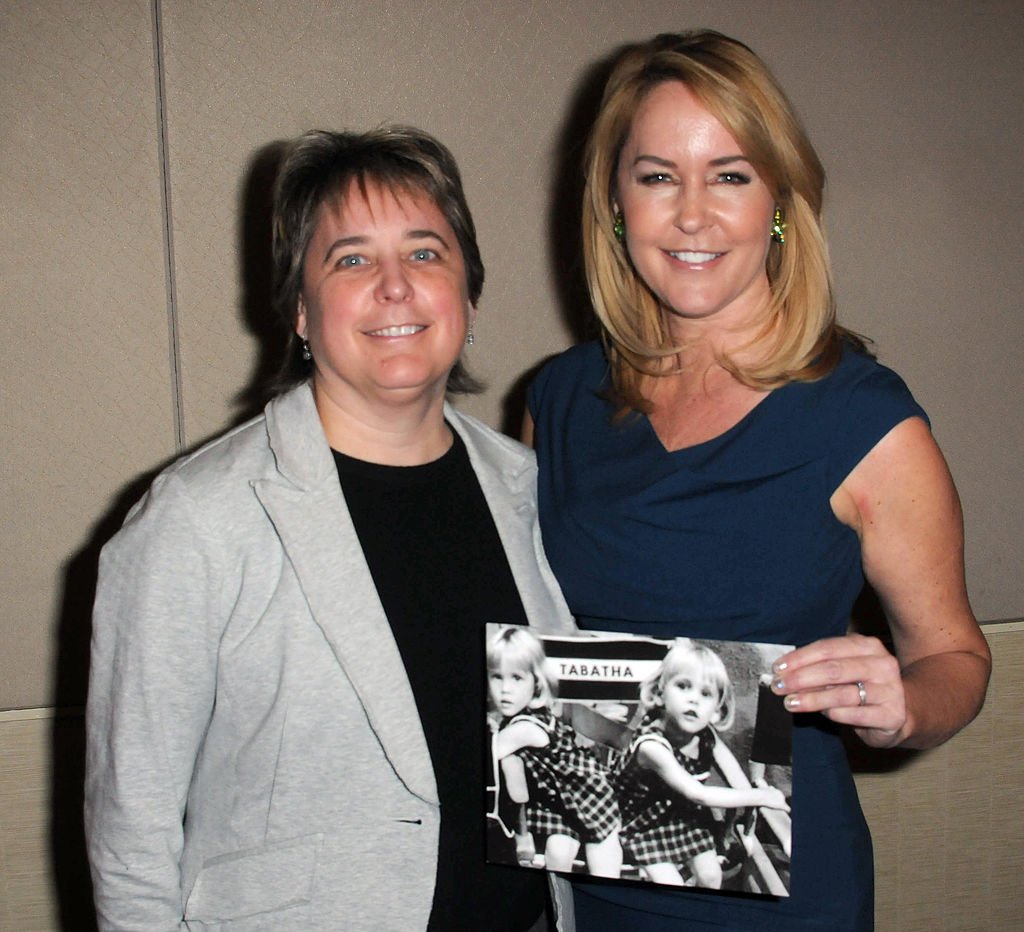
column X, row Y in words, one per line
column 286, row 726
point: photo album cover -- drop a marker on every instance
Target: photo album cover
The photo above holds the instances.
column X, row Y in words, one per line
column 638, row 759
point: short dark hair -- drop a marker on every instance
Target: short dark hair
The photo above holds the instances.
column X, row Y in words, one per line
column 320, row 167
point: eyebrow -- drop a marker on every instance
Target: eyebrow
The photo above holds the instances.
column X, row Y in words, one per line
column 668, row 163
column 344, row 241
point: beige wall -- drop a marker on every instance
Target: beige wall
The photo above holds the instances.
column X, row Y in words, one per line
column 131, row 277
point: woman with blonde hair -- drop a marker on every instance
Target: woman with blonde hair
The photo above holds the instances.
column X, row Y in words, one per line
column 728, row 462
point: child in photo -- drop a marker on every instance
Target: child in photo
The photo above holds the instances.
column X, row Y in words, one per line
column 571, row 800
column 661, row 786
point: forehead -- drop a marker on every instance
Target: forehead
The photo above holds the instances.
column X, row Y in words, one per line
column 672, row 119
column 371, row 202
column 689, row 666
column 513, row 661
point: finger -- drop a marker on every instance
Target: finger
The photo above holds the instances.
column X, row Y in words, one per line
column 840, row 696
column 879, row 721
column 882, row 669
column 827, row 649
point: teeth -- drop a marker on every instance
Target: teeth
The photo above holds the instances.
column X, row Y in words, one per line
column 405, row 330
column 695, row 257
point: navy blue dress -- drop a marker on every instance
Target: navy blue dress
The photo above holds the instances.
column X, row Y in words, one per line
column 733, row 538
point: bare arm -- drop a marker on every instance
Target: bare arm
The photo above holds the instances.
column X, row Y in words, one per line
column 526, row 435
column 901, row 502
column 729, row 767
column 656, row 757
column 519, row 735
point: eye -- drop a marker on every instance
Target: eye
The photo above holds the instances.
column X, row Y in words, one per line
column 737, row 178
column 655, row 178
column 424, row 255
column 706, row 693
column 350, row 261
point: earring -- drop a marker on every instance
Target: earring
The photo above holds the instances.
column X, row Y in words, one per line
column 778, row 227
column 306, row 354
column 470, row 339
column 619, row 226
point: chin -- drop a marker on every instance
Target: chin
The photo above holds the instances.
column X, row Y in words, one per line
column 407, row 374
column 412, row 386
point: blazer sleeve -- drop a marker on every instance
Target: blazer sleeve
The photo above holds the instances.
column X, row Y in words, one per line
column 151, row 692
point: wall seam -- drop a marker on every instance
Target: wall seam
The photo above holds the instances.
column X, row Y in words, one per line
column 170, row 279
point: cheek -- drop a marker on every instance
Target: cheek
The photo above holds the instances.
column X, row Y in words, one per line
column 757, row 223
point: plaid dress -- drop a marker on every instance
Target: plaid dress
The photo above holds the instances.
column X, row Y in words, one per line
column 570, row 793
column 660, row 826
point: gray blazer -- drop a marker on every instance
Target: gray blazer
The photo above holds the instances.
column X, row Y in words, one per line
column 255, row 759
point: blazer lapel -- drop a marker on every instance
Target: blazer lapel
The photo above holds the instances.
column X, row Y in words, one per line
column 309, row 513
column 507, row 476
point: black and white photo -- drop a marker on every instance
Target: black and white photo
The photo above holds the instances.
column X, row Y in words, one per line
column 663, row 761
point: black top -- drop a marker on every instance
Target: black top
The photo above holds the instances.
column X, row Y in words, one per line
column 441, row 573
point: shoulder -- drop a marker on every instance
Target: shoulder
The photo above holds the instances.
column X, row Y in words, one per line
column 856, row 406
column 284, row 442
column 210, row 473
column 502, row 465
column 650, row 731
column 211, row 488
column 582, row 366
column 534, row 717
column 235, row 451
column 483, row 439
column 860, row 384
column 531, row 729
column 708, row 740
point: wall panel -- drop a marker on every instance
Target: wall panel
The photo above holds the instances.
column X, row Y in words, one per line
column 85, row 382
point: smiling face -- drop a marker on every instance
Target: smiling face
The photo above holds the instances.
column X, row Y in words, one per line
column 691, row 702
column 698, row 216
column 512, row 688
column 384, row 301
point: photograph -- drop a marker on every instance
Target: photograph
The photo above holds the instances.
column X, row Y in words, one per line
column 665, row 761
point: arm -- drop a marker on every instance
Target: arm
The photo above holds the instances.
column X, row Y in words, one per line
column 656, row 757
column 526, row 435
column 519, row 735
column 151, row 689
column 728, row 766
column 901, row 502
column 514, row 772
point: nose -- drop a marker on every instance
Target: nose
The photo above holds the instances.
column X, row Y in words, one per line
column 693, row 210
column 393, row 284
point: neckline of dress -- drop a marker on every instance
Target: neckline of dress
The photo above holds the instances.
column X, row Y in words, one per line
column 718, row 438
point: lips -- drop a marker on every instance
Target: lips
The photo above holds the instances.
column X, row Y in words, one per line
column 695, row 258
column 402, row 330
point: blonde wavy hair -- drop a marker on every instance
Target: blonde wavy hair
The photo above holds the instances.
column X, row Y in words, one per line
column 798, row 325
